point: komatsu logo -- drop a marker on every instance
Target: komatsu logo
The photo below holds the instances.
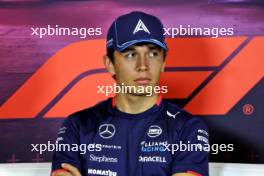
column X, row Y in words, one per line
column 101, row 172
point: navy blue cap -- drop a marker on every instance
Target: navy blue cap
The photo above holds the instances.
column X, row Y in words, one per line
column 135, row 27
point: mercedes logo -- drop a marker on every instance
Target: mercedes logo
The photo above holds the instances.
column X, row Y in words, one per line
column 107, row 131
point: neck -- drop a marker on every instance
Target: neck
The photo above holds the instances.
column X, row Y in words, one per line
column 135, row 104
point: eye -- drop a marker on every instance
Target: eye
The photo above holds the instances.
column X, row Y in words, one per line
column 153, row 53
column 130, row 55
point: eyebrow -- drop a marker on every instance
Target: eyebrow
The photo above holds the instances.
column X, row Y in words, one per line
column 131, row 48
column 154, row 47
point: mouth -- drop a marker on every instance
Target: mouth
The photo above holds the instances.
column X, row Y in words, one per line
column 142, row 80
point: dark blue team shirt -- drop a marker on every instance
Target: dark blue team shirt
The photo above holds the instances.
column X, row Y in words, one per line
column 117, row 143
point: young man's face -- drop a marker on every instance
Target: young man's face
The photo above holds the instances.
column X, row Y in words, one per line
column 138, row 65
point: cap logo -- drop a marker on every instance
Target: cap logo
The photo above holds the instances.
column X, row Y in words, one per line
column 141, row 27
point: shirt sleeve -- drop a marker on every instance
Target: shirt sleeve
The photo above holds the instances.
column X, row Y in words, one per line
column 68, row 139
column 192, row 157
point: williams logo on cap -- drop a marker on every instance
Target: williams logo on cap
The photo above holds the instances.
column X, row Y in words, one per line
column 140, row 27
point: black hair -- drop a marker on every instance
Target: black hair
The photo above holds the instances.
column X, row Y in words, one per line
column 110, row 54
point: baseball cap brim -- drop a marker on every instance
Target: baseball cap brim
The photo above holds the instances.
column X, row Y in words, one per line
column 124, row 46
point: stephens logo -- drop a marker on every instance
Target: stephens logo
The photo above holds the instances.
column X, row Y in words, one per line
column 103, row 159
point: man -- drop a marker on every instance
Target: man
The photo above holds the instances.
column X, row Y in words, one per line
column 133, row 133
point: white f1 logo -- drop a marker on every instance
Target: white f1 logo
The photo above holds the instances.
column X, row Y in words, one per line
column 141, row 27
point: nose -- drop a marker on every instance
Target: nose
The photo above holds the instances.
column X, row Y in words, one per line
column 142, row 64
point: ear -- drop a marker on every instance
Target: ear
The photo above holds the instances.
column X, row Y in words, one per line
column 109, row 65
column 163, row 66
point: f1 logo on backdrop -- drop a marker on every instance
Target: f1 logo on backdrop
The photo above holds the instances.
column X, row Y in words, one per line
column 213, row 74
